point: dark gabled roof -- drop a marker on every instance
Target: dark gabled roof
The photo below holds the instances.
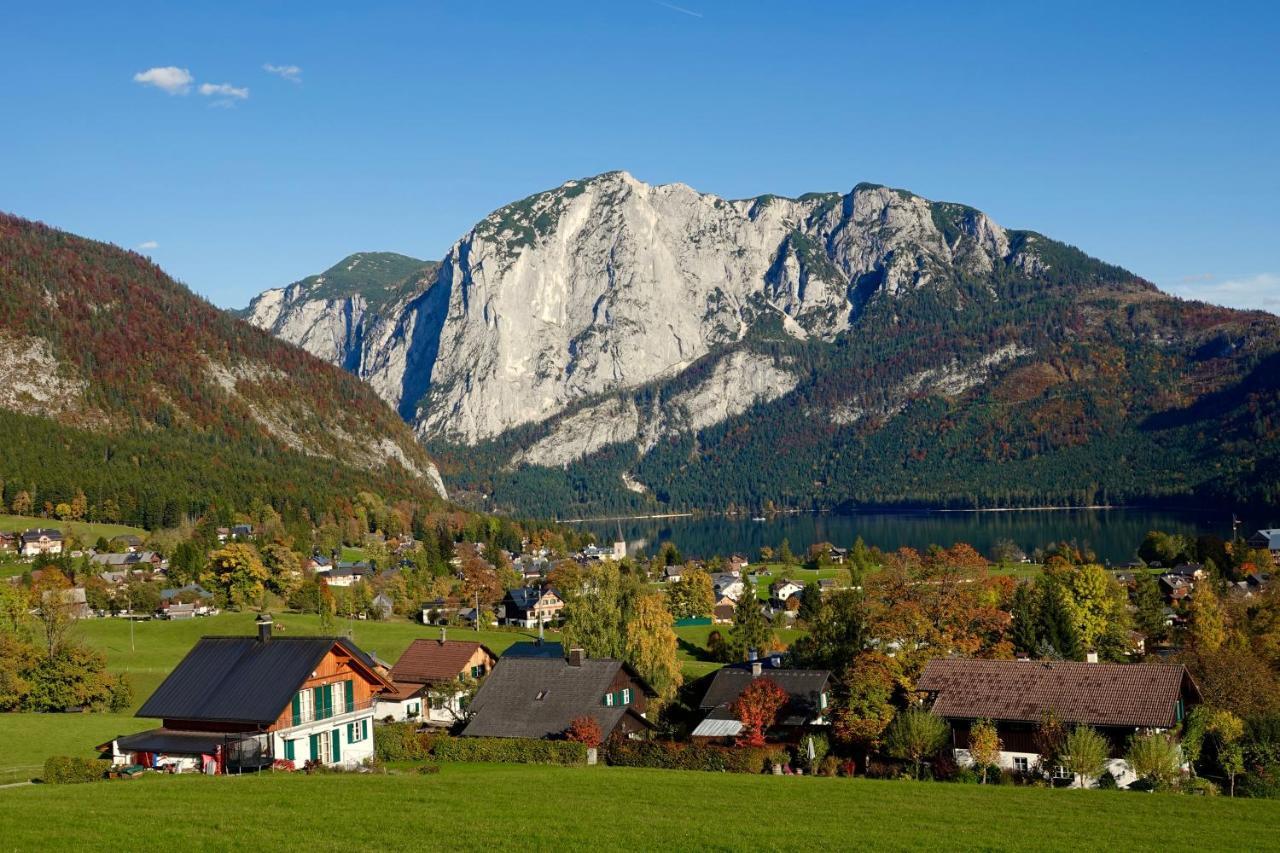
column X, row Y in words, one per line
column 243, row 680
column 430, row 661
column 1096, row 694
column 508, row 704
column 525, row 598
column 534, row 650
column 804, row 690
column 35, row 534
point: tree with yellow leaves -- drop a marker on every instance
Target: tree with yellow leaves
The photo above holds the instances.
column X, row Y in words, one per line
column 238, row 571
column 651, row 645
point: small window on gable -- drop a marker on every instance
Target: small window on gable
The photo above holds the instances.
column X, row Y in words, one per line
column 542, row 694
column 626, row 696
column 608, row 700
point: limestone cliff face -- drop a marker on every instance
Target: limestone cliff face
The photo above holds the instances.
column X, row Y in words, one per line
column 603, row 286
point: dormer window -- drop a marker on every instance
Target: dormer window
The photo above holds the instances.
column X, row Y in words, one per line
column 542, row 694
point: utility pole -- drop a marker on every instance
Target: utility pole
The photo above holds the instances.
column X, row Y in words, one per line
column 477, row 611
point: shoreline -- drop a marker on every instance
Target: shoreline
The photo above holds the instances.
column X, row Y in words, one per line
column 903, row 511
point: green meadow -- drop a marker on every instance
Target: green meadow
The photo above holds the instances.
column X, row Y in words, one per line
column 489, row 807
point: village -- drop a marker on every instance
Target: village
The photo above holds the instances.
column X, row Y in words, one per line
column 787, row 679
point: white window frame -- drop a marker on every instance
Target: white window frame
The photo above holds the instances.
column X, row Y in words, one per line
column 324, row 745
column 306, row 706
column 1021, row 764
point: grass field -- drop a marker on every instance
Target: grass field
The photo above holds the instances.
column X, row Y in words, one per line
column 487, row 807
column 85, row 531
column 26, row 740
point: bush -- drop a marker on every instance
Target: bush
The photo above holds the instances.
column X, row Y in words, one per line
column 509, row 750
column 401, row 742
column 429, row 769
column 66, row 770
column 829, row 766
column 1201, row 786
column 669, row 755
column 1107, row 781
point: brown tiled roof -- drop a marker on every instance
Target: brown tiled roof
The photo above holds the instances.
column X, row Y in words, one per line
column 427, row 661
column 1097, row 694
column 402, row 690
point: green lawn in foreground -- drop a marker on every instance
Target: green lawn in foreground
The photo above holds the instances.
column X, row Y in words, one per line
column 487, row 807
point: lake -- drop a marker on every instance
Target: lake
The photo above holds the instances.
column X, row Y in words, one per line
column 1113, row 534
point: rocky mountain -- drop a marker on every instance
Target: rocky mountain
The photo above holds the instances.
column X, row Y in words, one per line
column 326, row 314
column 117, row 381
column 611, row 344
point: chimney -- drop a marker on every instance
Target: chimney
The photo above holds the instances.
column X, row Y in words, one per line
column 1091, row 657
column 756, row 669
column 264, row 624
column 576, row 657
column 443, row 634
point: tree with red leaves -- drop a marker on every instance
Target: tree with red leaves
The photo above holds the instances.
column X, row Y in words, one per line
column 584, row 730
column 757, row 708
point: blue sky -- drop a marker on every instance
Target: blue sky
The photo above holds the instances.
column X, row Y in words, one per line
column 1147, row 135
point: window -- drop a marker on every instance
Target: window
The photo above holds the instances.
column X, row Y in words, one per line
column 608, row 700
column 322, row 747
column 822, row 701
column 357, row 731
column 1022, row 765
column 303, row 707
column 437, row 703
column 477, row 670
column 626, row 696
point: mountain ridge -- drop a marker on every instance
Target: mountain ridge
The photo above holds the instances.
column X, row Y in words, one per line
column 607, row 322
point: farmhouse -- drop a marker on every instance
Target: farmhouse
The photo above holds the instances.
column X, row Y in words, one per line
column 539, row 697
column 8, row 541
column 1119, row 700
column 241, row 703
column 526, row 606
column 1267, row 540
column 806, row 706
column 425, row 664
column 783, row 588
column 41, row 540
column 726, row 585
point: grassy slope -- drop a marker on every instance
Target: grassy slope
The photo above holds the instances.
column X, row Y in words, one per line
column 87, row 532
column 474, row 807
column 27, row 739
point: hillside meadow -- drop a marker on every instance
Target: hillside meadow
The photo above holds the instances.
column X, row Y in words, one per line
column 475, row 807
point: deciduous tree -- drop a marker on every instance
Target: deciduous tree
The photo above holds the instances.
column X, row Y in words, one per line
column 651, row 645
column 1083, row 753
column 984, row 746
column 757, row 708
column 916, row 735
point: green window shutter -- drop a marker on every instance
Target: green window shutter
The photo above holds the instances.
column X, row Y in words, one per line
column 351, row 734
column 288, row 750
column 364, row 729
column 318, row 695
column 297, row 708
column 315, row 748
column 337, row 744
column 350, row 689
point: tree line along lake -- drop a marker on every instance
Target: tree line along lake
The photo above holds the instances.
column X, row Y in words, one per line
column 1112, row 534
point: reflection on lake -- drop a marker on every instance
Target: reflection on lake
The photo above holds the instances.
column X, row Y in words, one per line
column 1113, row 534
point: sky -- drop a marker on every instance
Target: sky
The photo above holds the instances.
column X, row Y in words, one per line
column 244, row 145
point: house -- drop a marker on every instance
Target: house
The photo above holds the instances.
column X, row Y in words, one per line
column 597, row 553
column 672, row 574
column 242, row 531
column 8, row 541
column 1175, row 587
column 139, row 560
column 438, row 611
column 381, row 606
column 738, row 564
column 242, row 703
column 176, row 610
column 726, row 585
column 837, row 555
column 1117, row 699
column 539, row 697
column 427, row 663
column 345, row 574
column 532, row 569
column 319, row 563
column 41, row 540
column 1267, row 540
column 783, row 588
column 527, row 606
column 826, row 585
column 1192, row 572
column 805, row 708
column 128, row 541
column 722, row 612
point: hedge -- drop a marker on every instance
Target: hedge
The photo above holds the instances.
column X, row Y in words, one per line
column 66, row 770
column 669, row 755
column 403, row 742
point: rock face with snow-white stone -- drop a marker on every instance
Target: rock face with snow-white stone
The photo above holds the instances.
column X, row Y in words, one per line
column 602, row 286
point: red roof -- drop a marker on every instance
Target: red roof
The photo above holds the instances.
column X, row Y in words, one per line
column 1097, row 694
column 428, row 661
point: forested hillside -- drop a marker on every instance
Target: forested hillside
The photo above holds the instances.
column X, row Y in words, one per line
column 119, row 383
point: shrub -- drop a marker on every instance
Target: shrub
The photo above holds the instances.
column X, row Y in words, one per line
column 1156, row 759
column 829, row 766
column 584, row 730
column 509, row 750
column 1200, row 785
column 402, row 742
column 283, row 765
column 68, row 770
column 1107, row 781
column 669, row 755
column 429, row 769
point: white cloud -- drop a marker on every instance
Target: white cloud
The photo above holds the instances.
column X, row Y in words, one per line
column 1260, row 291
column 149, row 244
column 288, row 72
column 225, row 90
column 170, row 78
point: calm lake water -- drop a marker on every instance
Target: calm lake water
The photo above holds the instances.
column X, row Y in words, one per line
column 1113, row 534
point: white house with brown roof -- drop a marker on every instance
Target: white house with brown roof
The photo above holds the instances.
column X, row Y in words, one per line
column 1119, row 700
column 426, row 664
